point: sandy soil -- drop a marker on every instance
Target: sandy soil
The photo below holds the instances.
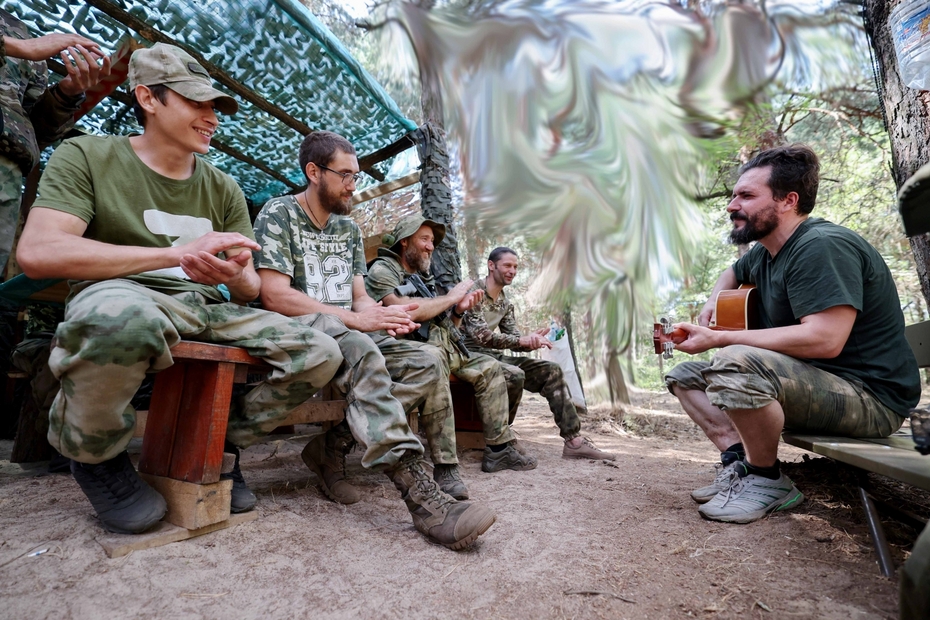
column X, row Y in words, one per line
column 573, row 539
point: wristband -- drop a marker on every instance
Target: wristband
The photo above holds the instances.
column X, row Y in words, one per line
column 456, row 314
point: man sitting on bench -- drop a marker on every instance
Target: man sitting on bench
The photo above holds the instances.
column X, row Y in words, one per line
column 830, row 356
column 313, row 263
column 491, row 326
column 409, row 255
column 158, row 239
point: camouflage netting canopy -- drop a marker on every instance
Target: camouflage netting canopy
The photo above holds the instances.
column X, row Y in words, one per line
column 288, row 71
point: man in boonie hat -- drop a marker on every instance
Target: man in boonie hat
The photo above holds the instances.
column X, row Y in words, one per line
column 409, row 251
column 157, row 243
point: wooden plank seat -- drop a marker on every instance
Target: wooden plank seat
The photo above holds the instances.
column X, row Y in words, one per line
column 892, row 456
column 185, row 428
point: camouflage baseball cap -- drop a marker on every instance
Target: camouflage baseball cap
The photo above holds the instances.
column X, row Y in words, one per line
column 411, row 224
column 176, row 69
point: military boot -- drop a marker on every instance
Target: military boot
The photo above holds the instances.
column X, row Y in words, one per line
column 242, row 499
column 438, row 516
column 449, row 481
column 325, row 455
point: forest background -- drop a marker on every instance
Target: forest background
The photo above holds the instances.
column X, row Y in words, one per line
column 844, row 124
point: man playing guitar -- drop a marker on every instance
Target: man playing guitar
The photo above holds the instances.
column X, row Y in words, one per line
column 830, row 356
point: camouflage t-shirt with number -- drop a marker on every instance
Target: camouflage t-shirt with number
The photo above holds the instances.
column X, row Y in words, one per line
column 321, row 263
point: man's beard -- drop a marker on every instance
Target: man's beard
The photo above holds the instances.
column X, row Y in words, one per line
column 416, row 260
column 756, row 227
column 333, row 202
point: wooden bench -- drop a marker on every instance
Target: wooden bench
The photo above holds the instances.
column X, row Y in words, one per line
column 185, row 428
column 892, row 456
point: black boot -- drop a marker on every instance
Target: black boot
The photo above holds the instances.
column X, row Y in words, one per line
column 124, row 502
column 243, row 499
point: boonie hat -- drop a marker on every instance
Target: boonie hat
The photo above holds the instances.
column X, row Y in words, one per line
column 176, row 69
column 411, row 224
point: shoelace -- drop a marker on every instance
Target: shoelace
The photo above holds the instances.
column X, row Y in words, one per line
column 735, row 486
column 449, row 474
column 111, row 478
column 428, row 489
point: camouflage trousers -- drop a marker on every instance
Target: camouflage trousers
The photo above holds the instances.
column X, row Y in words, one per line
column 11, row 196
column 116, row 330
column 487, row 378
column 375, row 405
column 421, row 382
column 742, row 377
column 545, row 378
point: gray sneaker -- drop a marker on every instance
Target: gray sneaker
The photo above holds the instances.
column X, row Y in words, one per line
column 751, row 497
column 508, row 458
column 721, row 483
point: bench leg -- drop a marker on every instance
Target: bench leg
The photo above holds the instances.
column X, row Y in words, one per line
column 186, row 425
column 885, row 563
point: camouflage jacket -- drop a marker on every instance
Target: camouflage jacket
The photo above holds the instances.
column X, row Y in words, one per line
column 33, row 116
column 480, row 323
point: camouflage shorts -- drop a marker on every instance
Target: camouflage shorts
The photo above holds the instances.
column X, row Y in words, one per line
column 742, row 377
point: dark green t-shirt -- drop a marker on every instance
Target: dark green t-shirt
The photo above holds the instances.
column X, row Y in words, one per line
column 102, row 181
column 821, row 266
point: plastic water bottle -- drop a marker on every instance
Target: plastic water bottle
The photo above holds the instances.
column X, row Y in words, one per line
column 910, row 32
column 553, row 329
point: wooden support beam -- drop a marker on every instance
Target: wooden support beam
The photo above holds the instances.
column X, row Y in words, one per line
column 387, row 188
column 127, row 19
column 399, row 146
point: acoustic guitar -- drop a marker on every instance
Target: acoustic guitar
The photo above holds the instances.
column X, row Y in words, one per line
column 734, row 310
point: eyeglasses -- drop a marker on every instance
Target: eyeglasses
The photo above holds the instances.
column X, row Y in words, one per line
column 347, row 177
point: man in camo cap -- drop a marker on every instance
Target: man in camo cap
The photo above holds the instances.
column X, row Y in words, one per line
column 158, row 243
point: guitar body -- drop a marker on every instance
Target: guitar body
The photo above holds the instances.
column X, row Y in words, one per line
column 737, row 309
column 734, row 310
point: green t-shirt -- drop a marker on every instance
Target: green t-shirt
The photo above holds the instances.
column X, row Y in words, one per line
column 384, row 275
column 321, row 263
column 821, row 266
column 102, row 181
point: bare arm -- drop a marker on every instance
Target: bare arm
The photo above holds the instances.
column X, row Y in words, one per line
column 726, row 281
column 52, row 246
column 278, row 296
column 427, row 308
column 819, row 336
column 44, row 47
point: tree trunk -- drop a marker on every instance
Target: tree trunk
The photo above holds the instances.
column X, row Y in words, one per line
column 619, row 394
column 907, row 117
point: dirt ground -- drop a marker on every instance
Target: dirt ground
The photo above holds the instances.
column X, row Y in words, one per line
column 573, row 539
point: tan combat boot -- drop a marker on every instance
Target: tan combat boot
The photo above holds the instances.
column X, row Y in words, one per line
column 325, row 455
column 436, row 515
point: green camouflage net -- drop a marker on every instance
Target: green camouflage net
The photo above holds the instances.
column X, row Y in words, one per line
column 277, row 49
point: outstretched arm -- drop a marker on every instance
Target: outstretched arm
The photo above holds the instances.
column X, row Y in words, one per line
column 819, row 336
column 366, row 315
column 52, row 246
column 429, row 308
